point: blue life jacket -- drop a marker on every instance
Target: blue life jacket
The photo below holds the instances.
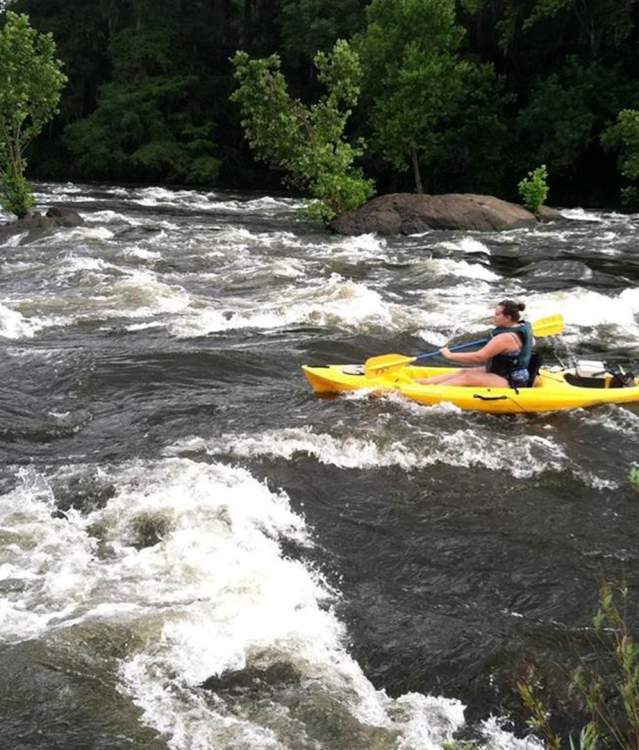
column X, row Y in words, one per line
column 507, row 363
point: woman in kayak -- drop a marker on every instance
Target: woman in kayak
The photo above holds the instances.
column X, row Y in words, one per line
column 505, row 358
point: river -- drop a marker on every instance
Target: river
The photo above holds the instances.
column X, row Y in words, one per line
column 198, row 553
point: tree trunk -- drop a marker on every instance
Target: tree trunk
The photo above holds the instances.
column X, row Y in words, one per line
column 418, row 177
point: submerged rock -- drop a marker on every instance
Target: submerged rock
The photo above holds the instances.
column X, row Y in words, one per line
column 549, row 214
column 65, row 217
column 36, row 225
column 408, row 213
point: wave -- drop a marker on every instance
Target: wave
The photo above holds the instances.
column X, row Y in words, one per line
column 197, row 548
column 529, row 456
column 466, row 245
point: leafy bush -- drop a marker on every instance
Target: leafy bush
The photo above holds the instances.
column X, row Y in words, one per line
column 623, row 136
column 16, row 195
column 534, row 189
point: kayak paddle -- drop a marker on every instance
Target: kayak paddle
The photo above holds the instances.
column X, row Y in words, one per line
column 550, row 326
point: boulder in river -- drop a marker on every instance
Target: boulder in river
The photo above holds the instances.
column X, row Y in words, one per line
column 408, row 213
column 37, row 225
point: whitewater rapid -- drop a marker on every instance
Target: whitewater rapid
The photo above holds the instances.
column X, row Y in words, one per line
column 174, row 501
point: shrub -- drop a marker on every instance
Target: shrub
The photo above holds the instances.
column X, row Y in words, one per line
column 16, row 195
column 534, row 189
column 607, row 689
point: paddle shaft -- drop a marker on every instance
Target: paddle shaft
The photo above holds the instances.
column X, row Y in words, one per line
column 456, row 348
column 550, row 326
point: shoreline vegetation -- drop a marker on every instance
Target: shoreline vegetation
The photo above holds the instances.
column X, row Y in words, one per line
column 425, row 96
column 601, row 692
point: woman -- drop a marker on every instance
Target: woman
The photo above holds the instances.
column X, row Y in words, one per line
column 505, row 357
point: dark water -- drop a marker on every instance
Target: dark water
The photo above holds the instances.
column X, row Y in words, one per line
column 196, row 552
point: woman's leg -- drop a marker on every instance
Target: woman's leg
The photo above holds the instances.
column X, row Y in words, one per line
column 472, row 376
column 439, row 379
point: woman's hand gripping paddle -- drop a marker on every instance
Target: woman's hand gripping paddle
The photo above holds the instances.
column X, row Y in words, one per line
column 553, row 325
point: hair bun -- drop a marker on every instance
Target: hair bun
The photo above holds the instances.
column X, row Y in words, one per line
column 521, row 306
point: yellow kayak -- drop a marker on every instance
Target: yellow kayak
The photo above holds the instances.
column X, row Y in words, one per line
column 552, row 391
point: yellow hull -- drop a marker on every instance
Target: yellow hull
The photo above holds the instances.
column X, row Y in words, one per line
column 551, row 392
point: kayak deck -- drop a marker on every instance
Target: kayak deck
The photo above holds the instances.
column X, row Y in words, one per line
column 552, row 391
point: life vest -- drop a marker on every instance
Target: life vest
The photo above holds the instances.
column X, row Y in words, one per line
column 504, row 364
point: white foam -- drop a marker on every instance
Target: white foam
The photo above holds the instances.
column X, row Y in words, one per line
column 192, row 551
column 140, row 326
column 141, row 253
column 466, row 245
column 141, row 294
column 335, row 302
column 89, row 233
column 212, row 202
column 497, row 737
column 528, row 456
column 580, row 214
column 14, row 326
column 586, row 308
column 109, row 217
column 267, row 205
column 614, row 418
column 450, row 267
column 362, row 246
column 52, row 556
column 14, row 240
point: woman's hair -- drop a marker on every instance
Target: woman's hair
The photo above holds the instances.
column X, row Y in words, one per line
column 512, row 309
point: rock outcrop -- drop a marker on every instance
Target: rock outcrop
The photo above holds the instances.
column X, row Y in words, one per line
column 36, row 225
column 408, row 213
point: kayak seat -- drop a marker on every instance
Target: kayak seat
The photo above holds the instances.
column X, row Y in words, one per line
column 533, row 369
column 581, row 381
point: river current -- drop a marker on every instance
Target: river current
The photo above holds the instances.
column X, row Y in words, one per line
column 198, row 553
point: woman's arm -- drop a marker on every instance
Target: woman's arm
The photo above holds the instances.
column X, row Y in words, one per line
column 498, row 345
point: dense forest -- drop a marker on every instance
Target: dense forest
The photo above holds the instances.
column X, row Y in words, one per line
column 489, row 93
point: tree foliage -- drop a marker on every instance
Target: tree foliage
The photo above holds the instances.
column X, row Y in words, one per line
column 466, row 95
column 143, row 124
column 306, row 141
column 31, row 80
column 605, row 684
column 417, row 82
column 567, row 110
column 311, row 26
column 623, row 136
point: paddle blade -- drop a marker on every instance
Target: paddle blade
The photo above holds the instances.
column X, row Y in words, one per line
column 375, row 365
column 553, row 325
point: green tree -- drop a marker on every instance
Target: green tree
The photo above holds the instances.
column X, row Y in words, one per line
column 306, row 142
column 144, row 125
column 594, row 26
column 567, row 111
column 623, row 136
column 416, row 80
column 311, row 26
column 31, row 80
